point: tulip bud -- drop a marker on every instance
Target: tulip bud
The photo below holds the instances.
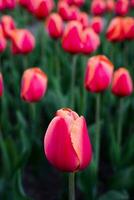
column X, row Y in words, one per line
column 121, row 7
column 3, row 42
column 66, row 143
column 74, row 13
column 23, row 41
column 115, row 31
column 84, row 19
column 8, row 25
column 33, row 85
column 90, row 41
column 63, row 10
column 74, row 2
column 98, row 73
column 122, row 84
column 110, row 5
column 2, row 5
column 71, row 40
column 1, row 85
column 10, row 4
column 97, row 24
column 98, row 7
column 54, row 25
column 23, row 3
column 128, row 26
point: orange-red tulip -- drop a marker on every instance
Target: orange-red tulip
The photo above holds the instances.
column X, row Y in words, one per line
column 1, row 85
column 54, row 25
column 66, row 143
column 71, row 40
column 8, row 25
column 84, row 19
column 110, row 5
column 90, row 41
column 98, row 7
column 128, row 26
column 33, row 85
column 3, row 42
column 97, row 23
column 98, row 73
column 23, row 41
column 122, row 84
column 121, row 7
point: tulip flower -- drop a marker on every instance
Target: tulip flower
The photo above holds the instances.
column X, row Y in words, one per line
column 63, row 10
column 110, row 5
column 10, row 4
column 128, row 26
column 90, row 41
column 3, row 42
column 23, row 41
column 66, row 142
column 54, row 25
column 115, row 31
column 2, row 4
column 33, row 85
column 23, row 3
column 98, row 7
column 122, row 84
column 1, row 85
column 97, row 24
column 132, row 3
column 74, row 2
column 121, row 7
column 74, row 13
column 71, row 41
column 8, row 25
column 84, row 19
column 98, row 73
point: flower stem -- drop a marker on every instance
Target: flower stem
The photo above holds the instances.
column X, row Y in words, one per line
column 73, row 81
column 72, row 186
column 120, row 122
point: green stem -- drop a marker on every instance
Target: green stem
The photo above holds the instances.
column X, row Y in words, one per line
column 41, row 37
column 33, row 121
column 72, row 186
column 120, row 122
column 25, row 62
column 97, row 139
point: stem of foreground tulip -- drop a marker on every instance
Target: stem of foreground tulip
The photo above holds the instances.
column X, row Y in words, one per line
column 72, row 186
column 73, row 81
column 120, row 122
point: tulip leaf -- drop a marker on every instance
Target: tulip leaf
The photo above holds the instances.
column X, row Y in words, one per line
column 115, row 195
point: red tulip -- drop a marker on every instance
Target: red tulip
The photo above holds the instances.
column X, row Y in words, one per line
column 115, row 31
column 23, row 41
column 132, row 3
column 74, row 13
column 98, row 73
column 71, row 40
column 110, row 5
column 128, row 26
column 66, row 143
column 98, row 7
column 10, row 4
column 3, row 42
column 33, row 85
column 121, row 7
column 23, row 3
column 84, row 19
column 97, row 24
column 2, row 5
column 122, row 84
column 90, row 41
column 54, row 25
column 1, row 85
column 8, row 25
column 74, row 2
column 63, row 10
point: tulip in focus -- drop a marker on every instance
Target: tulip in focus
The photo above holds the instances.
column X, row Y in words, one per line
column 8, row 25
column 121, row 7
column 97, row 23
column 23, row 41
column 66, row 142
column 122, row 84
column 98, row 73
column 3, row 41
column 1, row 85
column 98, row 7
column 33, row 85
column 110, row 5
column 54, row 25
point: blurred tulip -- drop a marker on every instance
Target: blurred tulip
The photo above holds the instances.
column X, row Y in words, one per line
column 54, row 25
column 121, row 7
column 128, row 26
column 84, row 19
column 115, row 31
column 63, row 10
column 122, row 84
column 110, row 5
column 98, row 73
column 2, row 5
column 97, row 23
column 1, row 85
column 74, row 13
column 66, row 142
column 98, row 7
column 33, row 85
column 23, row 3
column 10, row 4
column 132, row 3
column 3, row 42
column 71, row 40
column 23, row 41
column 74, row 2
column 8, row 25
column 90, row 41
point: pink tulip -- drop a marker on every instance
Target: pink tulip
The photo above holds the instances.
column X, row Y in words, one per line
column 97, row 23
column 8, row 25
column 121, row 7
column 98, row 7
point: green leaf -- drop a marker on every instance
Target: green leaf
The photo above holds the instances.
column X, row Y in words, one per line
column 114, row 195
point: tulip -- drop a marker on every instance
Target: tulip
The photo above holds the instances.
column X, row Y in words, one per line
column 71, row 41
column 33, row 85
column 91, row 41
column 122, row 84
column 121, row 7
column 23, row 3
column 98, row 7
column 8, row 25
column 128, row 26
column 66, row 142
column 115, row 31
column 97, row 24
column 23, row 41
column 132, row 3
column 84, row 19
column 2, row 4
column 74, row 2
column 3, row 42
column 1, row 85
column 54, row 25
column 98, row 73
column 74, row 13
column 63, row 10
column 110, row 5
column 10, row 4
